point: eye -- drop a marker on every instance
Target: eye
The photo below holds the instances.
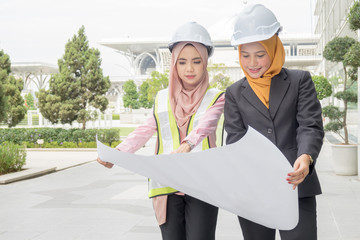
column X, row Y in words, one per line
column 245, row 56
column 197, row 62
column 181, row 62
column 260, row 56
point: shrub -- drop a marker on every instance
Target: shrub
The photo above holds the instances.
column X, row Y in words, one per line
column 323, row 87
column 109, row 135
column 87, row 145
column 57, row 137
column 29, row 144
column 114, row 144
column 88, row 135
column 12, row 157
column 68, row 145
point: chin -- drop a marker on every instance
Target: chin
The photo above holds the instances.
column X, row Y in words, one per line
column 255, row 75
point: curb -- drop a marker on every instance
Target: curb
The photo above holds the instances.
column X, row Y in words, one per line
column 61, row 149
column 36, row 172
column 25, row 174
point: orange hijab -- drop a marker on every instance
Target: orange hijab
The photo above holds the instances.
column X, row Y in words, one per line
column 184, row 103
column 276, row 52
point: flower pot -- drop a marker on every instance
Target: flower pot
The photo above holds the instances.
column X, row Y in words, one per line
column 344, row 159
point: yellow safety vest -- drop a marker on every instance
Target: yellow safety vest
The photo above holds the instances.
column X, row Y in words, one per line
column 168, row 135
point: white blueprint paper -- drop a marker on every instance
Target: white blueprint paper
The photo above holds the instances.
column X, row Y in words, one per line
column 247, row 178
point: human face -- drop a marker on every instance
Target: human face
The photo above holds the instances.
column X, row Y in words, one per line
column 254, row 59
column 190, row 67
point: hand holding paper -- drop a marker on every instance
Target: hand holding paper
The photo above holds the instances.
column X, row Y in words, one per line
column 225, row 177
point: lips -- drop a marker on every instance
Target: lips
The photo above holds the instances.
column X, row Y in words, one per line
column 190, row 76
column 254, row 70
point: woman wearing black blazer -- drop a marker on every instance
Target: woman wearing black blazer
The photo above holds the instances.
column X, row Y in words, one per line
column 282, row 105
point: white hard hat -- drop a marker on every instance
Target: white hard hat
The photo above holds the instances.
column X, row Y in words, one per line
column 192, row 32
column 254, row 23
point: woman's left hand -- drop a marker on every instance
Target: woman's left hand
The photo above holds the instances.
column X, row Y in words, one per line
column 301, row 170
column 105, row 164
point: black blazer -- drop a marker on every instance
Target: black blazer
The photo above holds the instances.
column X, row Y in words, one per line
column 293, row 121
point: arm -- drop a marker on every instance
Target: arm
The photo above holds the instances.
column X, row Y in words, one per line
column 234, row 125
column 136, row 139
column 310, row 132
column 207, row 125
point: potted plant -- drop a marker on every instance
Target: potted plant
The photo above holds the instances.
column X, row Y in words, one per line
column 354, row 16
column 344, row 154
column 322, row 86
column 354, row 24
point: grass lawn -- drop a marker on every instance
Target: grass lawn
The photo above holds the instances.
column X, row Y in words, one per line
column 124, row 131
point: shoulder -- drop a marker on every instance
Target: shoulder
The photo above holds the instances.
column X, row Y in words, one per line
column 298, row 79
column 162, row 93
column 236, row 85
column 214, row 91
column 213, row 95
column 296, row 73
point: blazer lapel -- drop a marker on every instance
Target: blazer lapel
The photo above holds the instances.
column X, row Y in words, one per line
column 250, row 95
column 278, row 89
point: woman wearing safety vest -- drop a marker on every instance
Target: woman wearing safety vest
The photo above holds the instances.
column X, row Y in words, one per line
column 282, row 105
column 185, row 118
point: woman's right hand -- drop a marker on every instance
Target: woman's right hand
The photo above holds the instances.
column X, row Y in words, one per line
column 106, row 164
column 184, row 147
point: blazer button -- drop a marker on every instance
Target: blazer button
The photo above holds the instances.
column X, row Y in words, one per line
column 270, row 130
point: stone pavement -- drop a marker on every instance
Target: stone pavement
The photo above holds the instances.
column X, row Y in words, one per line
column 43, row 161
column 92, row 202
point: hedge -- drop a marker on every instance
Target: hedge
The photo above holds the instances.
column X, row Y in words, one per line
column 60, row 137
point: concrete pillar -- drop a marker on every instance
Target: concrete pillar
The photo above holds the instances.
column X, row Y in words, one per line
column 29, row 116
column 40, row 118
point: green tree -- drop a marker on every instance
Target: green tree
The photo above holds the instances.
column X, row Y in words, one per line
column 12, row 109
column 354, row 16
column 143, row 95
column 157, row 82
column 322, row 86
column 335, row 51
column 79, row 88
column 221, row 81
column 16, row 110
column 5, row 68
column 29, row 100
column 131, row 95
column 352, row 56
column 218, row 77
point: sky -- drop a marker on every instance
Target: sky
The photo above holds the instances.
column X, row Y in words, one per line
column 37, row 30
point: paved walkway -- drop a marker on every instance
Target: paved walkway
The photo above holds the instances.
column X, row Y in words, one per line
column 92, row 202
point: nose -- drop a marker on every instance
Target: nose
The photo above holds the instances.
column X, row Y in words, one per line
column 189, row 67
column 253, row 62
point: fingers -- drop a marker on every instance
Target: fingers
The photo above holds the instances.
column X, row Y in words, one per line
column 106, row 164
column 297, row 177
column 184, row 147
column 301, row 170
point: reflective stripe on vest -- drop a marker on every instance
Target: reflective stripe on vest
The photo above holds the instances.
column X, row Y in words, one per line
column 168, row 132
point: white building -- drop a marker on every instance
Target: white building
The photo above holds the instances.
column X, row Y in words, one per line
column 303, row 51
column 147, row 55
column 331, row 23
column 35, row 75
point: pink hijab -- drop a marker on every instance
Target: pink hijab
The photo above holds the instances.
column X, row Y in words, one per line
column 184, row 103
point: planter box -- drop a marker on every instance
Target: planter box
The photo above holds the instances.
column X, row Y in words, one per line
column 344, row 159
